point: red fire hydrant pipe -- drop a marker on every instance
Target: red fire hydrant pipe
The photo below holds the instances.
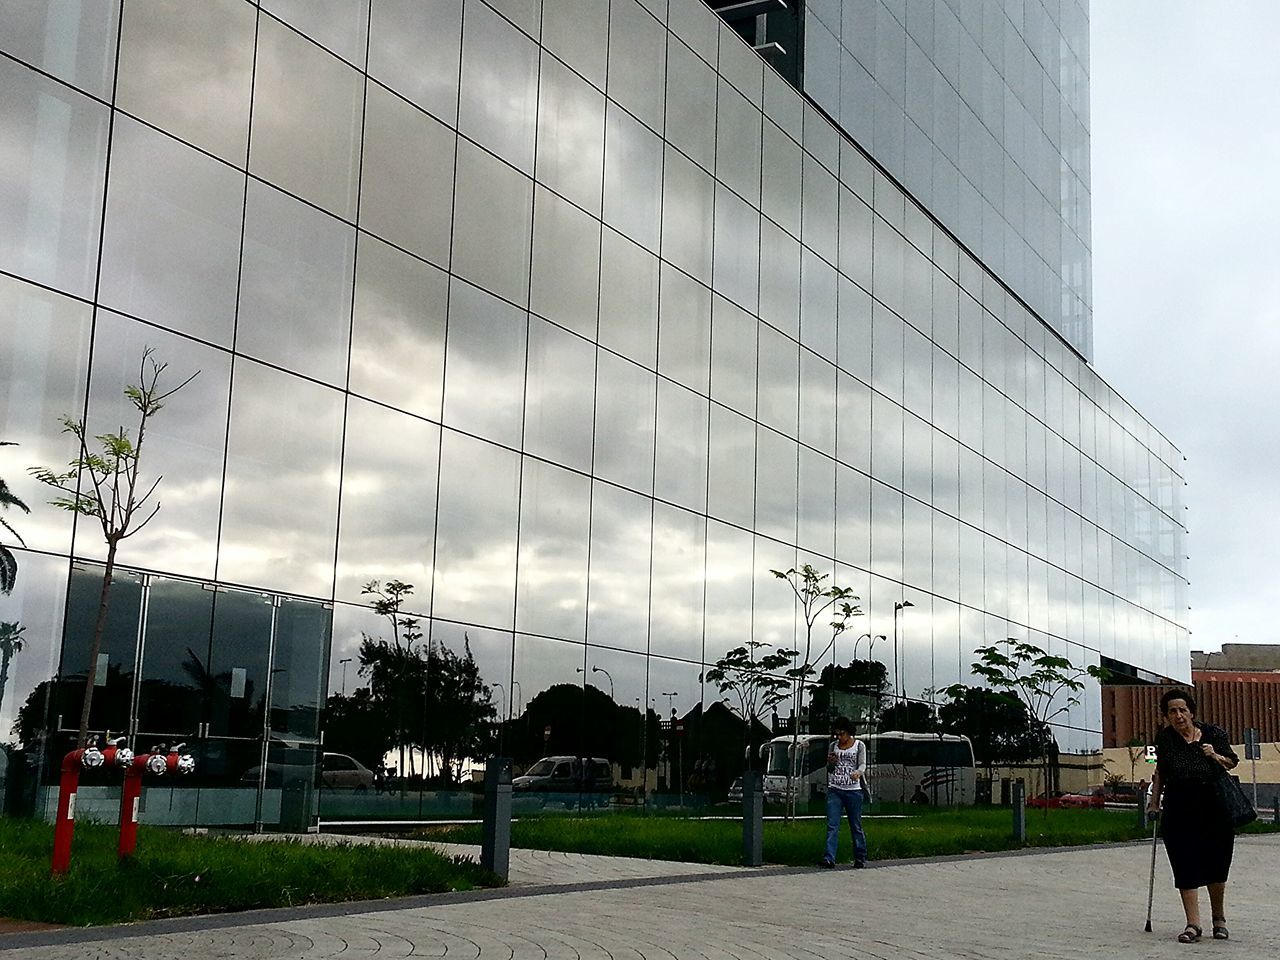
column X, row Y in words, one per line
column 130, row 801
column 64, row 827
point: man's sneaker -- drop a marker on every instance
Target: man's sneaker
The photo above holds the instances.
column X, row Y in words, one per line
column 859, row 864
column 826, row 864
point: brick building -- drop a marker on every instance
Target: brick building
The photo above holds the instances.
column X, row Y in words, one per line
column 1232, row 699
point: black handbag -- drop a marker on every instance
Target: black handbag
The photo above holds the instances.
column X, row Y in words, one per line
column 1234, row 803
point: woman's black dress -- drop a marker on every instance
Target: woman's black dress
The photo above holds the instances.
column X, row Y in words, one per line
column 1198, row 836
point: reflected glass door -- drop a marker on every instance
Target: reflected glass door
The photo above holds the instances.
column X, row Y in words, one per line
column 299, row 667
column 117, row 654
column 231, row 751
column 173, row 691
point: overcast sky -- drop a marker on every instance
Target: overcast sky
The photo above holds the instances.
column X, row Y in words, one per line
column 1186, row 266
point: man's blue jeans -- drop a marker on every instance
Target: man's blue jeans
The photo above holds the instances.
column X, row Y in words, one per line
column 848, row 802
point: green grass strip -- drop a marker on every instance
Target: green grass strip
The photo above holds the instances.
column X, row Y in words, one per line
column 174, row 874
column 799, row 843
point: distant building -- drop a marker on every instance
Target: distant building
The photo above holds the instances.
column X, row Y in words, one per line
column 1234, row 700
column 1238, row 656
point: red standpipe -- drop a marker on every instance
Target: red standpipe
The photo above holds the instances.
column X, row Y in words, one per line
column 64, row 827
column 130, row 801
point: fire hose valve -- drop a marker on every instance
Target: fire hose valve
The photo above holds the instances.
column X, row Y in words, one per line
column 116, row 754
column 179, row 762
column 157, row 762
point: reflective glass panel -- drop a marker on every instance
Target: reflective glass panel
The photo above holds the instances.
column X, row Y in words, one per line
column 551, row 584
column 733, row 356
column 679, row 551
column 499, row 105
column 625, row 396
column 485, row 365
column 388, row 515
column 776, row 485
column 570, row 135
column 637, row 61
column 559, row 398
column 340, row 25
column 44, row 366
column 566, row 264
column 415, row 48
column 183, row 443
column 731, row 476
column 737, row 249
column 475, row 574
column 632, row 177
column 189, row 70
column 684, row 330
column 406, row 178
column 397, row 332
column 295, row 286
column 51, row 180
column 618, row 592
column 680, row 471
column 307, row 108
column 171, row 247
column 779, row 370
column 75, row 42
column 493, row 209
column 688, row 201
column 279, row 507
column 628, row 299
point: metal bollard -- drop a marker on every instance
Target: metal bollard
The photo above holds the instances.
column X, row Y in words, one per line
column 1019, row 797
column 495, row 846
column 1143, row 796
column 1275, row 809
column 752, row 818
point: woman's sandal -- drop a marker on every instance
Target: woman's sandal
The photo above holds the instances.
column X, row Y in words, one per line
column 1220, row 931
column 1191, row 935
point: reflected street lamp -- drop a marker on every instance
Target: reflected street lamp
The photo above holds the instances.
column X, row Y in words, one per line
column 899, row 689
column 669, row 696
column 503, row 690
column 607, row 675
column 344, row 661
column 517, row 697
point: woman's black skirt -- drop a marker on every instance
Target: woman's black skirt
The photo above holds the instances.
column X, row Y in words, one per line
column 1197, row 835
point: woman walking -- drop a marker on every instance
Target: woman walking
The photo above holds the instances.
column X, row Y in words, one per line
column 846, row 769
column 1198, row 835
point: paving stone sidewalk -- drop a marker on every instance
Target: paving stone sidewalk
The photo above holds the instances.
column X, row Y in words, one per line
column 1086, row 902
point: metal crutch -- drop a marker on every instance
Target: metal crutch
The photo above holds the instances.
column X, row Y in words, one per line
column 1151, row 886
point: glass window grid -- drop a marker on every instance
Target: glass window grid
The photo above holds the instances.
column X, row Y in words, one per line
column 1133, row 477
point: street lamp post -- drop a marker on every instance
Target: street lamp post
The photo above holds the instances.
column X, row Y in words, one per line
column 344, row 661
column 608, row 676
column 899, row 690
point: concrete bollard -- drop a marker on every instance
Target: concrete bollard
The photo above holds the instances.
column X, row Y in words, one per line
column 1019, row 799
column 752, row 818
column 495, row 845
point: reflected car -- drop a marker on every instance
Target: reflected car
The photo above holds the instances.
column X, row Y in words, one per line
column 1052, row 800
column 337, row 772
column 566, row 775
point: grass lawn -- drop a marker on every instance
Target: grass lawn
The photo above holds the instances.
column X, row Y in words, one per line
column 174, row 874
column 917, row 834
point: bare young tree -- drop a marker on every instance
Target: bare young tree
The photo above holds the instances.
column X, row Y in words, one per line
column 103, row 483
column 816, row 598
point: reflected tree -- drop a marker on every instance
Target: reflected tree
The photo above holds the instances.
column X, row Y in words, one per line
column 8, row 562
column 752, row 674
column 426, row 696
column 1046, row 684
column 817, row 599
column 11, row 644
column 909, row 716
column 104, row 483
column 855, row 691
column 999, row 726
column 356, row 725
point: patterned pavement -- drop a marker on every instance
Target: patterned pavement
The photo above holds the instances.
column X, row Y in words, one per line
column 1058, row 904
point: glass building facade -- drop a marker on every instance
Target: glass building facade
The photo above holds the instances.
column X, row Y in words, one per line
column 577, row 318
